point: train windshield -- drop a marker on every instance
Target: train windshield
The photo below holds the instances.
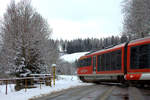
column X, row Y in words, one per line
column 84, row 62
column 140, row 57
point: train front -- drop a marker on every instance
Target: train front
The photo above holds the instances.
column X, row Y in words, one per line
column 84, row 67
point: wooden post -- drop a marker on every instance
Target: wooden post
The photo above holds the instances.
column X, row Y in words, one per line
column 32, row 81
column 14, row 81
column 50, row 82
column 54, row 75
column 45, row 79
column 6, row 87
column 26, row 84
column 40, row 83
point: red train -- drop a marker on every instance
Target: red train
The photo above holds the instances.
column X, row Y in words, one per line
column 125, row 63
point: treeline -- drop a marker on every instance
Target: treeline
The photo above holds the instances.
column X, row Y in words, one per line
column 136, row 24
column 82, row 45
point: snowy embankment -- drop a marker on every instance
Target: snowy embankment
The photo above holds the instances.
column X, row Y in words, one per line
column 72, row 57
column 63, row 82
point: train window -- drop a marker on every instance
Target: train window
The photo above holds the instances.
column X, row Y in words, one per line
column 109, row 61
column 144, row 56
column 81, row 62
column 103, row 62
column 140, row 56
column 118, row 60
column 98, row 62
column 113, row 61
column 134, row 63
column 85, row 62
column 109, row 67
column 106, row 61
column 89, row 61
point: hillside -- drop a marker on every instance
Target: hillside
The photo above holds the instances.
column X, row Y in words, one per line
column 72, row 57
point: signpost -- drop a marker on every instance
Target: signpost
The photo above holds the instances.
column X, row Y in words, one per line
column 54, row 72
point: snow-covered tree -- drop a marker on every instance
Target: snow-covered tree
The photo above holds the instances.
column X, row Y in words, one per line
column 136, row 18
column 26, row 44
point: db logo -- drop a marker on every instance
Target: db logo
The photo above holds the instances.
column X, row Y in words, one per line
column 84, row 71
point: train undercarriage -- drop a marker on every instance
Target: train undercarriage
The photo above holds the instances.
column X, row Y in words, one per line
column 118, row 79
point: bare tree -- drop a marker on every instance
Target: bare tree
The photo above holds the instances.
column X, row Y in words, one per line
column 136, row 18
column 64, row 67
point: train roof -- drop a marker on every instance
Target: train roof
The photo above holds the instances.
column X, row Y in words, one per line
column 130, row 43
column 110, row 48
column 105, row 49
column 141, row 40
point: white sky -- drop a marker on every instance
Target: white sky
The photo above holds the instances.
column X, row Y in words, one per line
column 72, row 19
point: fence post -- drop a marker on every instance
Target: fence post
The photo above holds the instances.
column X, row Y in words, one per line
column 50, row 82
column 45, row 79
column 32, row 81
column 26, row 83
column 54, row 75
column 6, row 87
column 40, row 83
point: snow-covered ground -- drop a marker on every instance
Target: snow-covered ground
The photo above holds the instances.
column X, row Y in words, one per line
column 72, row 57
column 63, row 82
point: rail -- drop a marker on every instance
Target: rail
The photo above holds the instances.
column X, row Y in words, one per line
column 107, row 93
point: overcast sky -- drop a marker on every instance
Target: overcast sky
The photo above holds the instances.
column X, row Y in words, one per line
column 72, row 19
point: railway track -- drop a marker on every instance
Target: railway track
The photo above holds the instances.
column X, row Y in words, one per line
column 135, row 94
column 99, row 92
column 130, row 93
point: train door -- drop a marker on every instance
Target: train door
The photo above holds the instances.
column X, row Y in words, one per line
column 94, row 64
